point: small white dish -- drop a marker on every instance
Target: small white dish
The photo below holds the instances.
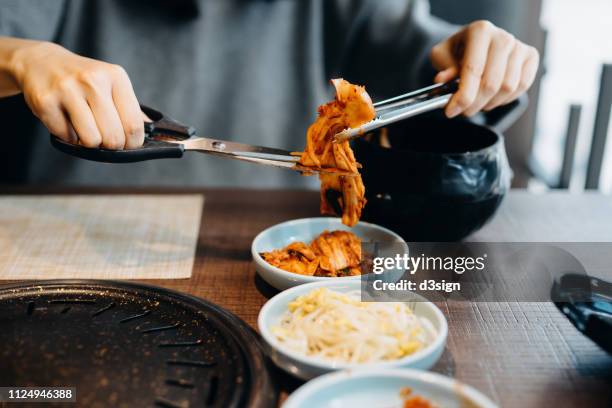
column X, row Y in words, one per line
column 306, row 230
column 305, row 367
column 381, row 388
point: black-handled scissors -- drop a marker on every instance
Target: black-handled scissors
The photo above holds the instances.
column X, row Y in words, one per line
column 166, row 138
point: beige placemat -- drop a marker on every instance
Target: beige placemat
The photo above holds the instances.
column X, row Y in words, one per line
column 99, row 236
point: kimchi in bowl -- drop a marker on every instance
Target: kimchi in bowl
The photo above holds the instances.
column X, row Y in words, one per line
column 385, row 242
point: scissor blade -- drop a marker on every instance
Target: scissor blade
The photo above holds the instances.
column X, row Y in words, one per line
column 254, row 154
column 205, row 144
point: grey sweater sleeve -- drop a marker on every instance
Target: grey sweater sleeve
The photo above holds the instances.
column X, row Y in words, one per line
column 383, row 44
column 32, row 19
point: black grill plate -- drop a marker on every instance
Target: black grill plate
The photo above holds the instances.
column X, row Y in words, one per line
column 127, row 345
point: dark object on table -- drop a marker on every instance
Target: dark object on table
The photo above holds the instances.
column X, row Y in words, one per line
column 587, row 303
column 122, row 344
column 440, row 180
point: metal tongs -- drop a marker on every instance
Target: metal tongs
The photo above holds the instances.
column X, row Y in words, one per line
column 166, row 138
column 402, row 107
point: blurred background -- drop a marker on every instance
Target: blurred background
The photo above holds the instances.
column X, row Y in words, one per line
column 575, row 40
column 561, row 141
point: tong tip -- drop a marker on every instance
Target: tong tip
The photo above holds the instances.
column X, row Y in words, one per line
column 345, row 135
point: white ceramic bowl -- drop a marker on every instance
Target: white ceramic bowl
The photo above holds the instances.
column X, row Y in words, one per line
column 306, row 367
column 307, row 229
column 381, row 388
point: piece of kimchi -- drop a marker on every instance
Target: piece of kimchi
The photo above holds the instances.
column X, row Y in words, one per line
column 340, row 194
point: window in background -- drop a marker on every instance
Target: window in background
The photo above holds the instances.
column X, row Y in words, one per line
column 579, row 42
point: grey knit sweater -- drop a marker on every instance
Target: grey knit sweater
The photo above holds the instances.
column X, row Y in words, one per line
column 247, row 70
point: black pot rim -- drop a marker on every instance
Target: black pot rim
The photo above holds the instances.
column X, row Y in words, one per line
column 499, row 139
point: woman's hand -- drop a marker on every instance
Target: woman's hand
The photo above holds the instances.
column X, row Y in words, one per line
column 80, row 100
column 494, row 67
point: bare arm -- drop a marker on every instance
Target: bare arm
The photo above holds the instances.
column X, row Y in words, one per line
column 8, row 48
column 387, row 42
column 494, row 67
column 80, row 100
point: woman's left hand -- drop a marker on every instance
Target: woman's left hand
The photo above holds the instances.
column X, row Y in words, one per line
column 494, row 67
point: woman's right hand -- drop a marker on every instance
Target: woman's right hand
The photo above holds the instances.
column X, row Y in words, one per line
column 80, row 100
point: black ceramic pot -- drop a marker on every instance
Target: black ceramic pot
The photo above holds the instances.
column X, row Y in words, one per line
column 441, row 179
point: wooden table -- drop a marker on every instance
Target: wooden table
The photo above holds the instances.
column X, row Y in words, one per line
column 519, row 354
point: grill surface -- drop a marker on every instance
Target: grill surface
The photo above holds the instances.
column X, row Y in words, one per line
column 128, row 345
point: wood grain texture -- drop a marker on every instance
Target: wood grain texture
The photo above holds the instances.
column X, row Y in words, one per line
column 520, row 354
column 103, row 237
